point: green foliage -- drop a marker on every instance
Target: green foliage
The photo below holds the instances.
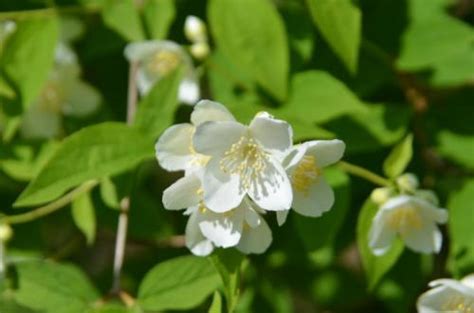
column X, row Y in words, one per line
column 178, row 284
column 83, row 214
column 158, row 15
column 111, row 148
column 108, row 192
column 375, row 266
column 340, row 23
column 398, row 160
column 123, row 17
column 216, row 306
column 252, row 34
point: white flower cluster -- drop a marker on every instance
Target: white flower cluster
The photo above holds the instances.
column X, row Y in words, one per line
column 448, row 295
column 408, row 212
column 234, row 174
column 196, row 32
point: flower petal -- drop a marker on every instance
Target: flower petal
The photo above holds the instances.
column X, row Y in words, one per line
column 326, row 152
column 195, row 240
column 282, row 216
column 252, row 218
column 380, row 236
column 207, row 111
column 435, row 299
column 427, row 239
column 174, row 148
column 189, row 91
column 224, row 230
column 318, row 199
column 271, row 190
column 214, row 138
column 222, row 192
column 294, row 156
column 83, row 100
column 39, row 123
column 272, row 134
column 183, row 193
column 256, row 240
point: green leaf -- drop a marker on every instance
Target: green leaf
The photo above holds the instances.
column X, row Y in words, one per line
column 94, row 152
column 178, row 284
column 398, row 160
column 457, row 147
column 83, row 215
column 54, row 288
column 156, row 111
column 319, row 232
column 115, row 308
column 228, row 263
column 29, row 56
column 108, row 192
column 122, row 16
column 216, row 306
column 251, row 33
column 375, row 266
column 339, row 21
column 318, row 97
column 158, row 15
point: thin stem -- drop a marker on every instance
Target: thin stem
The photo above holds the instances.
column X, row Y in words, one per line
column 46, row 12
column 2, row 260
column 50, row 207
column 364, row 173
column 122, row 226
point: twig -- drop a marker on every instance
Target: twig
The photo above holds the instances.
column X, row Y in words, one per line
column 364, row 173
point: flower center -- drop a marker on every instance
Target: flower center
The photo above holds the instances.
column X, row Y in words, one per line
column 459, row 304
column 305, row 174
column 405, row 220
column 164, row 62
column 52, row 97
column 245, row 158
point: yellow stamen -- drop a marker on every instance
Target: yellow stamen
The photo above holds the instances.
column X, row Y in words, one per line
column 305, row 174
column 52, row 97
column 198, row 159
column 405, row 220
column 164, row 62
column 459, row 304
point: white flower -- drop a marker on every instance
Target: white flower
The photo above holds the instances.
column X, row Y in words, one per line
column 245, row 160
column 64, row 93
column 174, row 149
column 448, row 295
column 156, row 59
column 413, row 219
column 312, row 196
column 200, row 50
column 195, row 29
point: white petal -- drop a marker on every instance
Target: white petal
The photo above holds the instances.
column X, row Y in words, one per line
column 222, row 192
column 195, row 29
column 428, row 239
column 444, row 299
column 256, row 240
column 189, row 92
column 468, row 281
column 380, row 236
column 208, row 111
column 273, row 134
column 282, row 216
column 294, row 156
column 174, row 148
column 214, row 138
column 252, row 218
column 195, row 241
column 271, row 190
column 182, row 194
column 326, row 152
column 137, row 51
column 431, row 212
column 83, row 100
column 224, row 230
column 318, row 199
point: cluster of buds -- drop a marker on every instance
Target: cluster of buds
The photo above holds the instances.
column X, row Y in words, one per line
column 196, row 33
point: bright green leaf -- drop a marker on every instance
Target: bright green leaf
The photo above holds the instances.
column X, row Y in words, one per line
column 251, row 33
column 178, row 284
column 216, row 306
column 108, row 192
column 457, row 147
column 398, row 160
column 91, row 153
column 158, row 15
column 340, row 23
column 29, row 56
column 83, row 215
column 375, row 266
column 54, row 288
column 122, row 16
column 156, row 111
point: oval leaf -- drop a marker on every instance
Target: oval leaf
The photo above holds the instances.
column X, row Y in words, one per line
column 83, row 215
column 123, row 17
column 397, row 161
column 158, row 16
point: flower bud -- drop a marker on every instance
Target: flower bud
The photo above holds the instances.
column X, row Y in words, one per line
column 381, row 195
column 200, row 50
column 407, row 182
column 427, row 195
column 6, row 232
column 195, row 29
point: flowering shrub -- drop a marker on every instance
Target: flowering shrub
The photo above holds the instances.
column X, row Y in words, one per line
column 319, row 154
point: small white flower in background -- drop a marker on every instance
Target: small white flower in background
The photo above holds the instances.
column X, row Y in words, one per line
column 448, row 295
column 245, row 160
column 195, row 31
column 158, row 58
column 64, row 93
column 6, row 29
column 413, row 219
column 312, row 196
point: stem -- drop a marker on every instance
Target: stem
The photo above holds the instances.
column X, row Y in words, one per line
column 2, row 260
column 364, row 173
column 122, row 226
column 50, row 207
